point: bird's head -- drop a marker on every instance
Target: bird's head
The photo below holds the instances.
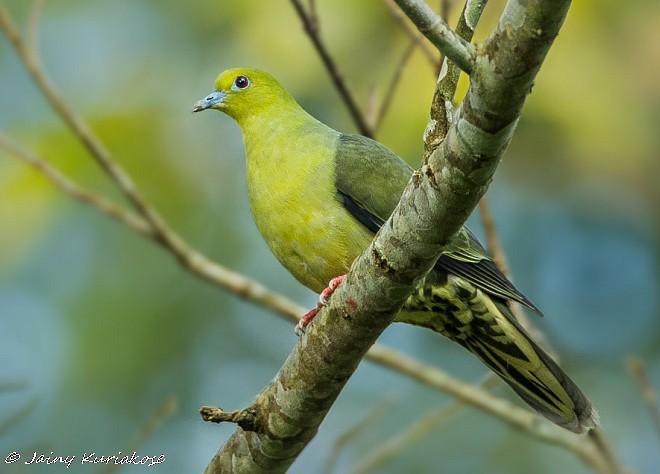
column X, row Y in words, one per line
column 244, row 92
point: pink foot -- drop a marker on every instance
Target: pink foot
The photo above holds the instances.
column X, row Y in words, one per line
column 332, row 286
column 323, row 300
column 306, row 319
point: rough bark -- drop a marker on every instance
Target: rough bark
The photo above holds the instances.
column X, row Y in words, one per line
column 286, row 414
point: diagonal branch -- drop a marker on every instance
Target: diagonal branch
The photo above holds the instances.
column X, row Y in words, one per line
column 310, row 23
column 254, row 292
column 407, row 436
column 413, row 34
column 442, row 107
column 290, row 409
column 71, row 188
column 431, row 25
column 638, row 370
column 358, row 319
column 391, row 88
column 86, row 136
column 33, row 24
column 193, row 261
column 238, row 284
column 497, row 252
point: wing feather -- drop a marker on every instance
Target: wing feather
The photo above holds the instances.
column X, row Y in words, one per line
column 362, row 162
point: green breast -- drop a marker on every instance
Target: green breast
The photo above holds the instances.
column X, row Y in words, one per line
column 291, row 188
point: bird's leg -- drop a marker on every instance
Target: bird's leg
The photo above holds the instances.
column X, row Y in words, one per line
column 323, row 300
column 332, row 286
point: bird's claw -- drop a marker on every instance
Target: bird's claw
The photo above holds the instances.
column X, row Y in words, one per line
column 323, row 301
column 332, row 286
column 306, row 318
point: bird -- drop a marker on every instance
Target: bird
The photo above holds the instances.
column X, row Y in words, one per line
column 318, row 196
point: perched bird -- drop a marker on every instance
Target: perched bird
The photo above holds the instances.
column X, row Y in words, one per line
column 318, row 196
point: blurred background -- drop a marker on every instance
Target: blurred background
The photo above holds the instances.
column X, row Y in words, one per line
column 99, row 327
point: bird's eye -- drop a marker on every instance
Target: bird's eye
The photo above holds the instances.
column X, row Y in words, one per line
column 241, row 82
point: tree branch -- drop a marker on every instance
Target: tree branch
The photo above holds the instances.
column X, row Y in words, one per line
column 33, row 23
column 431, row 25
column 149, row 223
column 497, row 252
column 77, row 126
column 387, row 450
column 394, row 82
column 193, row 261
column 412, row 33
column 238, row 284
column 69, row 187
column 347, row 438
column 356, row 313
column 310, row 23
column 638, row 370
column 448, row 187
column 442, row 107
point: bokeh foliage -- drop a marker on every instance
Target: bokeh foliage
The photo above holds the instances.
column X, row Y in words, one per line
column 100, row 326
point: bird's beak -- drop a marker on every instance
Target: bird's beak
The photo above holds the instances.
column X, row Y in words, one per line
column 211, row 101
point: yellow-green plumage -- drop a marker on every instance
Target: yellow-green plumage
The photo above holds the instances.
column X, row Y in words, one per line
column 318, row 197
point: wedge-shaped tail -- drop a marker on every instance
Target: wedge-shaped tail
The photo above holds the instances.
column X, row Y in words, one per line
column 486, row 327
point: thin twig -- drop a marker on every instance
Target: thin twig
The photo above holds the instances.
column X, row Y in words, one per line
column 164, row 411
column 492, row 239
column 372, row 107
column 412, row 33
column 387, row 450
column 431, row 25
column 72, row 189
column 604, row 450
column 442, row 108
column 354, row 431
column 87, row 137
column 518, row 418
column 256, row 293
column 445, row 8
column 312, row 13
column 248, row 289
column 638, row 370
column 33, row 24
column 312, row 30
column 13, row 419
column 245, row 418
column 394, row 82
column 499, row 257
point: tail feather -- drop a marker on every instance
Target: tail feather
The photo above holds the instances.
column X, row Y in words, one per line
column 537, row 379
column 486, row 327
